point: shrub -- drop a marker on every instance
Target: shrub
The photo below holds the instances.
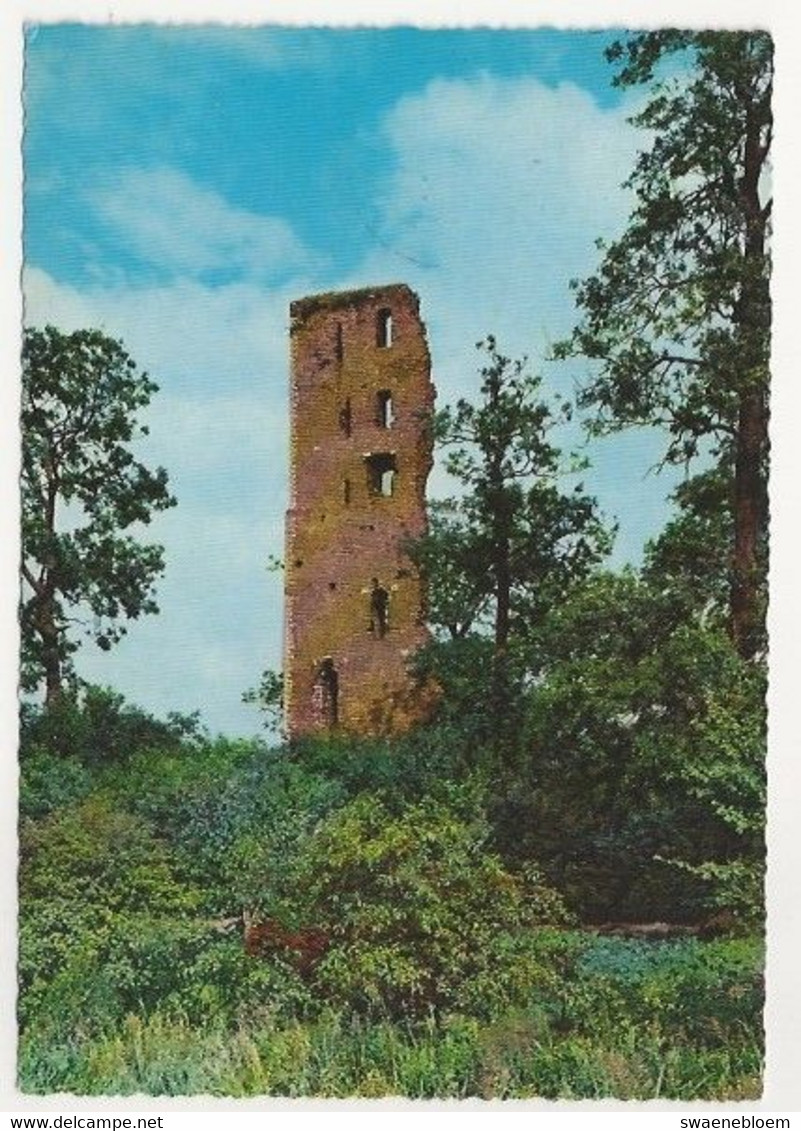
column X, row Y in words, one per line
column 96, row 726
column 417, row 909
column 703, row 993
column 49, row 781
column 85, row 871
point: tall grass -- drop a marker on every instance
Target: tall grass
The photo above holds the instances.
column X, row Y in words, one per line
column 336, row 1057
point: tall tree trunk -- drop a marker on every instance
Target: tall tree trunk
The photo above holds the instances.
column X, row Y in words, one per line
column 749, row 520
column 500, row 522
column 752, row 317
column 51, row 658
column 502, row 707
column 46, row 622
column 503, row 586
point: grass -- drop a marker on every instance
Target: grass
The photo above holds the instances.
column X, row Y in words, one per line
column 510, row 1059
column 674, row 1021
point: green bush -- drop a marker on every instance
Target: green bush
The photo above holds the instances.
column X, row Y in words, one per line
column 642, row 792
column 96, row 726
column 224, row 984
column 419, row 912
column 92, row 853
column 85, row 871
column 48, row 781
column 450, row 970
column 704, row 993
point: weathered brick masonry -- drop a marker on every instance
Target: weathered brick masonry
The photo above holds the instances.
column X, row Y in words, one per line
column 360, row 455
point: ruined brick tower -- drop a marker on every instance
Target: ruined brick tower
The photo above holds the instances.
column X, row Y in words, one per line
column 360, row 454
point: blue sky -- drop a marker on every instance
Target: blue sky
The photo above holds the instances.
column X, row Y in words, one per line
column 183, row 185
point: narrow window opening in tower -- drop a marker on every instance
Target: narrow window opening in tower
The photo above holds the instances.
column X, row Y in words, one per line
column 384, row 410
column 339, row 342
column 325, row 694
column 379, row 609
column 346, row 492
column 384, row 328
column 346, row 418
column 382, row 469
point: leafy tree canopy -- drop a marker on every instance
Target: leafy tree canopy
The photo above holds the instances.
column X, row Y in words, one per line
column 515, row 540
column 646, row 742
column 678, row 314
column 83, row 491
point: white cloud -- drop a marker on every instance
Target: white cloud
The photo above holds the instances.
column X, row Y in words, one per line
column 500, row 190
column 202, row 339
column 171, row 222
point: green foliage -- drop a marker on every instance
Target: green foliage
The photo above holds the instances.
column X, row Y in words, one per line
column 85, row 870
column 81, row 394
column 463, row 669
column 458, row 591
column 665, row 314
column 514, row 541
column 49, row 781
column 617, row 1019
column 691, row 556
column 401, row 769
column 499, row 556
column 416, row 907
column 445, row 975
column 700, row 991
column 94, row 725
column 223, row 982
column 92, row 849
column 240, row 831
column 646, row 739
column 678, row 315
column 269, row 698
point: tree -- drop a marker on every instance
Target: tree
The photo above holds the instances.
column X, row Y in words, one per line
column 268, row 697
column 678, row 315
column 690, row 557
column 515, row 540
column 643, row 795
column 82, row 490
column 421, row 913
column 500, row 554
